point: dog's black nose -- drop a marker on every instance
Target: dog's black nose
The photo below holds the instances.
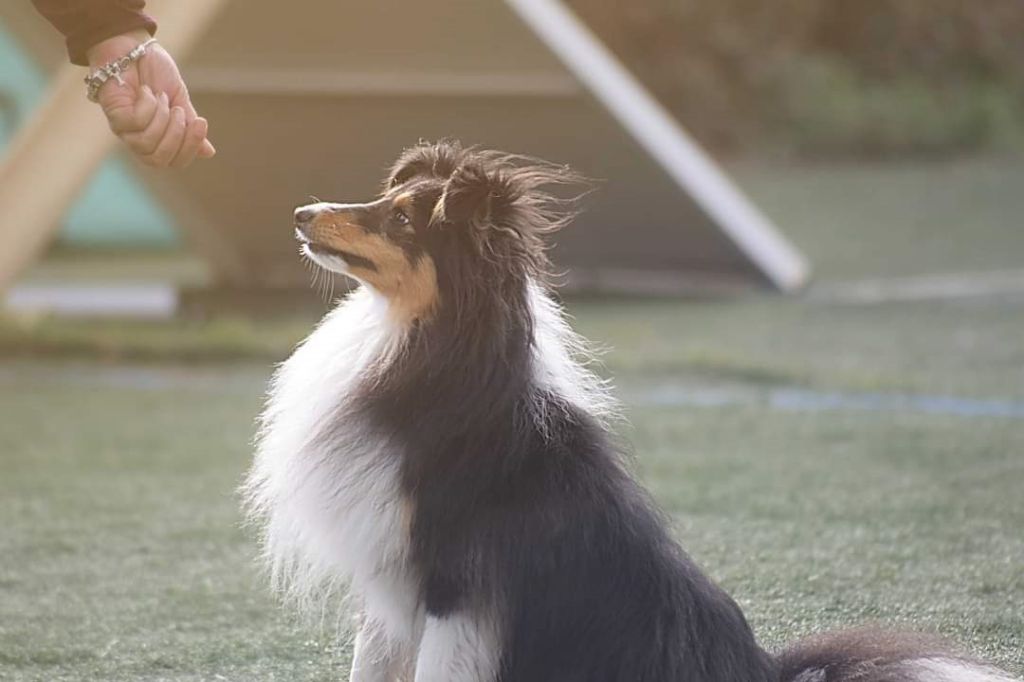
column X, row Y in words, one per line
column 304, row 215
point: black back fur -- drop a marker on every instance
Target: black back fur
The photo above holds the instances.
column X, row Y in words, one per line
column 521, row 505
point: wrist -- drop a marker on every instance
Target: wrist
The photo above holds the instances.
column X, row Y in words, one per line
column 115, row 47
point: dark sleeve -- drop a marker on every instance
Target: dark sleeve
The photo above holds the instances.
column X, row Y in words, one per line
column 86, row 22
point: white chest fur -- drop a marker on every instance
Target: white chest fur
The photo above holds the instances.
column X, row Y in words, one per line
column 323, row 487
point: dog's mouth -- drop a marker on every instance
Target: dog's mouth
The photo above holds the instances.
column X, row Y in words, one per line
column 353, row 260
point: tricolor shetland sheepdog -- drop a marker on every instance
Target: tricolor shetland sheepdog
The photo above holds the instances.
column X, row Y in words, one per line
column 438, row 447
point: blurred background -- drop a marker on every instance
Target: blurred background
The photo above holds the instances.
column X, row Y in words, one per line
column 805, row 261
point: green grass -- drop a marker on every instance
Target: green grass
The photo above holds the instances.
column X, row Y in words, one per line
column 222, row 339
column 103, row 265
column 121, row 444
column 123, row 559
column 896, row 219
column 957, row 348
column 122, row 556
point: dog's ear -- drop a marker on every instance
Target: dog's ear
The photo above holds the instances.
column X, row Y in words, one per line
column 473, row 195
column 436, row 160
column 401, row 172
column 413, row 162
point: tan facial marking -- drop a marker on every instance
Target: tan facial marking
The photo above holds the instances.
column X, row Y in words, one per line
column 418, row 297
column 411, row 288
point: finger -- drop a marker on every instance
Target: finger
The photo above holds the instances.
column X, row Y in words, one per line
column 207, row 150
column 171, row 142
column 182, row 99
column 195, row 133
column 137, row 116
column 146, row 141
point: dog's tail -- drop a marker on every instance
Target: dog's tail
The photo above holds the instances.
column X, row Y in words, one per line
column 870, row 655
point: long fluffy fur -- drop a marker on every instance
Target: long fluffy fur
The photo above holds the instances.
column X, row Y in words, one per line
column 457, row 472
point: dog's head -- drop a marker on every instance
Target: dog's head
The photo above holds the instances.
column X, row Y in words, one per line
column 449, row 219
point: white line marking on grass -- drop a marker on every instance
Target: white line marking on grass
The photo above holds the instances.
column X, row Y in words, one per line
column 249, row 380
column 129, row 299
column 996, row 283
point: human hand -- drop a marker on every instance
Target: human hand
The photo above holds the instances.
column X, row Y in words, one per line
column 151, row 112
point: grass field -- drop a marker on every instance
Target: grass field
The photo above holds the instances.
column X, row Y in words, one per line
column 829, row 464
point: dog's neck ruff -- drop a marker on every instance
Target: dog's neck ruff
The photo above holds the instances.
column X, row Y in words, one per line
column 325, row 487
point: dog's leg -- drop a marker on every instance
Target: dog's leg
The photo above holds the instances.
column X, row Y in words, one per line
column 458, row 648
column 376, row 658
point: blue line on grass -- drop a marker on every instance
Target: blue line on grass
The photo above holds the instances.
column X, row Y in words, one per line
column 674, row 394
column 807, row 400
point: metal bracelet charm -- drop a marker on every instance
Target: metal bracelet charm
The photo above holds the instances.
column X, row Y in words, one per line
column 95, row 80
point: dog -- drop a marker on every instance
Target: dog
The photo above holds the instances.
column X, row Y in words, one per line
column 439, row 448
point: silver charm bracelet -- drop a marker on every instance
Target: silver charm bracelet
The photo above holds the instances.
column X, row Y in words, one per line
column 95, row 80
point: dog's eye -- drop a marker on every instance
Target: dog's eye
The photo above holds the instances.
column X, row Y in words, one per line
column 400, row 217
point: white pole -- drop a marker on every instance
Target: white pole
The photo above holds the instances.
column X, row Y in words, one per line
column 654, row 129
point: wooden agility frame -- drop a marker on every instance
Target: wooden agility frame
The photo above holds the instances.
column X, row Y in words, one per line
column 52, row 157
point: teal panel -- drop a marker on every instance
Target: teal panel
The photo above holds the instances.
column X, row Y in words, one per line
column 115, row 209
